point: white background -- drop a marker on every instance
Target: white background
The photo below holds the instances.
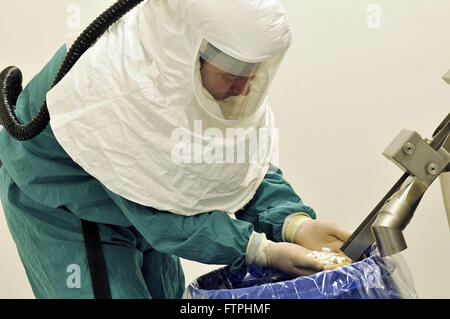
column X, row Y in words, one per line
column 342, row 94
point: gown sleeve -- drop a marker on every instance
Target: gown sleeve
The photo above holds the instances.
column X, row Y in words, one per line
column 273, row 202
column 215, row 237
column 209, row 238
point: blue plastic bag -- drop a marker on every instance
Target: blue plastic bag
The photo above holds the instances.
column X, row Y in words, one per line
column 371, row 278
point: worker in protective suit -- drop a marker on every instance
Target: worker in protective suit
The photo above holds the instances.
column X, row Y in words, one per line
column 138, row 143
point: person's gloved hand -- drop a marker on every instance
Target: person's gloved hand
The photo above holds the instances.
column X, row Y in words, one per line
column 315, row 234
column 290, row 258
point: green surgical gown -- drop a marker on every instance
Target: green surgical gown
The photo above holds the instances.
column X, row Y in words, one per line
column 45, row 194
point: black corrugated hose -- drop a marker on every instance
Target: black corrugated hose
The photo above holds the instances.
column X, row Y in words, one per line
column 11, row 77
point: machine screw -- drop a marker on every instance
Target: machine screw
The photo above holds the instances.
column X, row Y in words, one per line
column 409, row 148
column 432, row 169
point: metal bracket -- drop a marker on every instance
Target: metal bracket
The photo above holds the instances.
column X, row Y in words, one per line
column 362, row 238
column 446, row 77
column 414, row 155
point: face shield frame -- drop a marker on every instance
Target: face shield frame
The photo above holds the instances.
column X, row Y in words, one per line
column 238, row 104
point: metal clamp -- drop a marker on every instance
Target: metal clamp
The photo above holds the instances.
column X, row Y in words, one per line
column 414, row 155
column 446, row 77
column 423, row 162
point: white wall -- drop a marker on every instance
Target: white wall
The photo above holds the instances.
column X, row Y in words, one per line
column 343, row 93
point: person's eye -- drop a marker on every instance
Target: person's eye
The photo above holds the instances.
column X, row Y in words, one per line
column 228, row 79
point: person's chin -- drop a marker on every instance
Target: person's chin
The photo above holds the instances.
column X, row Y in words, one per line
column 224, row 97
column 221, row 97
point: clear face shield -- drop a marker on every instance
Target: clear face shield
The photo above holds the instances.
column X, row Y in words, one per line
column 230, row 88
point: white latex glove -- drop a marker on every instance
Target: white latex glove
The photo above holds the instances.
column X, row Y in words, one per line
column 314, row 233
column 289, row 258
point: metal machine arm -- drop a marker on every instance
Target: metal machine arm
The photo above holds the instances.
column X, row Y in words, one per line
column 423, row 161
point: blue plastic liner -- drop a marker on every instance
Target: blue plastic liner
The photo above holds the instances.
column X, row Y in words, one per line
column 371, row 278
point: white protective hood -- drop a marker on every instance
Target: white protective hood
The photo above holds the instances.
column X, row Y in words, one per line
column 130, row 114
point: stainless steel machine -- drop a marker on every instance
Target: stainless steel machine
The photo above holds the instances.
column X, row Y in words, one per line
column 422, row 161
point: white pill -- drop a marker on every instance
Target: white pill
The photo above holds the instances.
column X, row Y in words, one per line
column 326, row 249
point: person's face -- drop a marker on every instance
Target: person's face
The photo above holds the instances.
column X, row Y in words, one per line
column 221, row 84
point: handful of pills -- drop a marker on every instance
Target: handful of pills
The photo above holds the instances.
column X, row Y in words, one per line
column 327, row 257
